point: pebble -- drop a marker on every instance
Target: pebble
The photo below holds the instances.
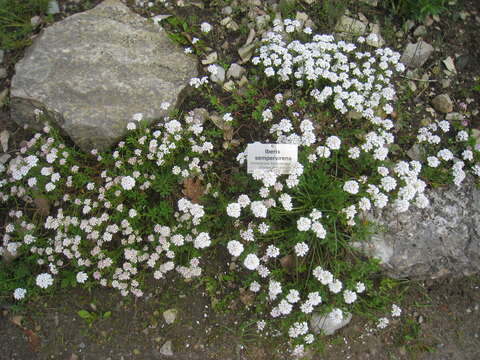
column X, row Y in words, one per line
column 166, row 349
column 170, row 316
column 35, row 21
column 53, row 7
column 3, row 73
column 442, row 103
column 3, row 97
column 420, row 31
column 235, row 71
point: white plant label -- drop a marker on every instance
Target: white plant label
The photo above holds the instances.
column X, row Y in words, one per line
column 278, row 157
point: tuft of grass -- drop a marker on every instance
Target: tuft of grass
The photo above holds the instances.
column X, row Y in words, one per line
column 415, row 9
column 15, row 26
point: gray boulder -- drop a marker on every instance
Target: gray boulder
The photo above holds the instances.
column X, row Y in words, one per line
column 415, row 55
column 443, row 239
column 94, row 70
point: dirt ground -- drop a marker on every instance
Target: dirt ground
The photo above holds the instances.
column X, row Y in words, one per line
column 440, row 320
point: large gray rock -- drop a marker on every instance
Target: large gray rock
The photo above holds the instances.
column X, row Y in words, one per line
column 443, row 239
column 415, row 55
column 94, row 70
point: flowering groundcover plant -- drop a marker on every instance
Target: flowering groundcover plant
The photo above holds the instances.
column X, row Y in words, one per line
column 120, row 216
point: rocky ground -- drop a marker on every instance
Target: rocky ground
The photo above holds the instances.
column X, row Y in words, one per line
column 440, row 317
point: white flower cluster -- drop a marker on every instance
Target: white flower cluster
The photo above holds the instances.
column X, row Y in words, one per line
column 358, row 81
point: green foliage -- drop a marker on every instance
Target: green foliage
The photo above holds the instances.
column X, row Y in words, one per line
column 415, row 9
column 15, row 26
column 91, row 317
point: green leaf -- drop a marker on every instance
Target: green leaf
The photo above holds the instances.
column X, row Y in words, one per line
column 84, row 314
column 107, row 315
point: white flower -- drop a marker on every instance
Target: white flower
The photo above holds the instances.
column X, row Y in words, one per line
column 335, row 286
column 293, row 296
column 301, row 249
column 82, row 277
column 243, row 200
column 234, row 210
column 137, row 117
column 360, row 287
column 44, row 280
column 336, row 315
column 349, row 296
column 254, row 287
column 251, row 262
column 382, row 323
column 445, row 154
column 274, row 288
column 202, row 240
column 128, row 182
column 304, row 224
column 227, row 117
column 333, row 142
column 258, row 209
column 205, row 27
column 351, row 187
column 324, row 276
column 235, row 248
column 396, row 311
column 131, row 126
column 272, row 251
column 19, row 293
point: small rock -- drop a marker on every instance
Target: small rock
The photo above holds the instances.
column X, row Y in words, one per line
column 53, row 7
column 210, row 59
column 219, row 76
column 348, row 25
column 243, row 81
column 323, row 323
column 412, row 86
column 166, row 349
column 232, row 25
column 428, row 21
column 170, row 315
column 262, row 21
column 246, row 52
column 355, row 115
column 373, row 3
column 227, row 10
column 415, row 55
column 446, row 83
column 408, row 25
column 450, row 65
column 375, row 39
column 454, row 116
column 251, row 37
column 4, row 158
column 420, row 31
column 416, row 152
column 442, row 103
column 74, row 357
column 302, row 17
column 229, row 86
column 35, row 21
column 4, row 137
column 3, row 73
column 200, row 115
column 235, row 71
